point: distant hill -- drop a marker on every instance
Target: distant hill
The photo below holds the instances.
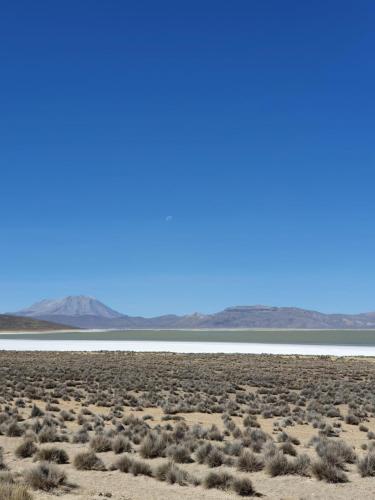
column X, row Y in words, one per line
column 12, row 323
column 88, row 312
column 70, row 306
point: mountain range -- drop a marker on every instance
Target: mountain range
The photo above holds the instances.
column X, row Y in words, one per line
column 10, row 323
column 88, row 312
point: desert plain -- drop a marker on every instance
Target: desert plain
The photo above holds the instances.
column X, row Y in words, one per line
column 163, row 426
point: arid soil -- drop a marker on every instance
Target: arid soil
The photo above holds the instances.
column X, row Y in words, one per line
column 136, row 426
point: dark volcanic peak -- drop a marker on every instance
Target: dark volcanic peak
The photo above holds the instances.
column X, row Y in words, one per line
column 79, row 305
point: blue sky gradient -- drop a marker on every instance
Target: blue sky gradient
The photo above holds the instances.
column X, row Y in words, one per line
column 180, row 156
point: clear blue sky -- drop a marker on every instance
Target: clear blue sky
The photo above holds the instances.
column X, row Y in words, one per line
column 179, row 156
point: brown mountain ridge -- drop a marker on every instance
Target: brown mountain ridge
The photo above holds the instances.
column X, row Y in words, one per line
column 10, row 323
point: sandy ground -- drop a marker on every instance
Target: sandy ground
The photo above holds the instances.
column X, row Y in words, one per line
column 119, row 486
column 94, row 485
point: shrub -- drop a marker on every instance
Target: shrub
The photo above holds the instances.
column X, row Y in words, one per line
column 124, row 464
column 36, row 411
column 243, row 487
column 300, row 465
column 249, row 462
column 14, row 430
column 335, row 452
column 82, row 436
column 57, row 455
column 161, row 471
column 26, row 449
column 250, row 421
column 219, row 480
column 2, row 464
column 45, row 477
column 294, row 439
column 328, row 431
column 152, row 446
column 101, row 443
column 203, row 452
column 6, row 477
column 234, row 448
column 48, row 434
column 50, row 407
column 214, row 434
column 270, row 450
column 277, row 465
column 288, row 449
column 333, row 412
column 9, row 491
column 215, row 458
column 282, row 437
column 366, row 466
column 352, row 419
column 180, row 454
column 87, row 460
column 172, row 474
column 140, row 468
column 120, row 445
column 258, row 435
column 326, row 471
column 67, row 416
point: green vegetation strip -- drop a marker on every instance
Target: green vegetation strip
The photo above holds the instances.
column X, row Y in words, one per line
column 308, row 337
